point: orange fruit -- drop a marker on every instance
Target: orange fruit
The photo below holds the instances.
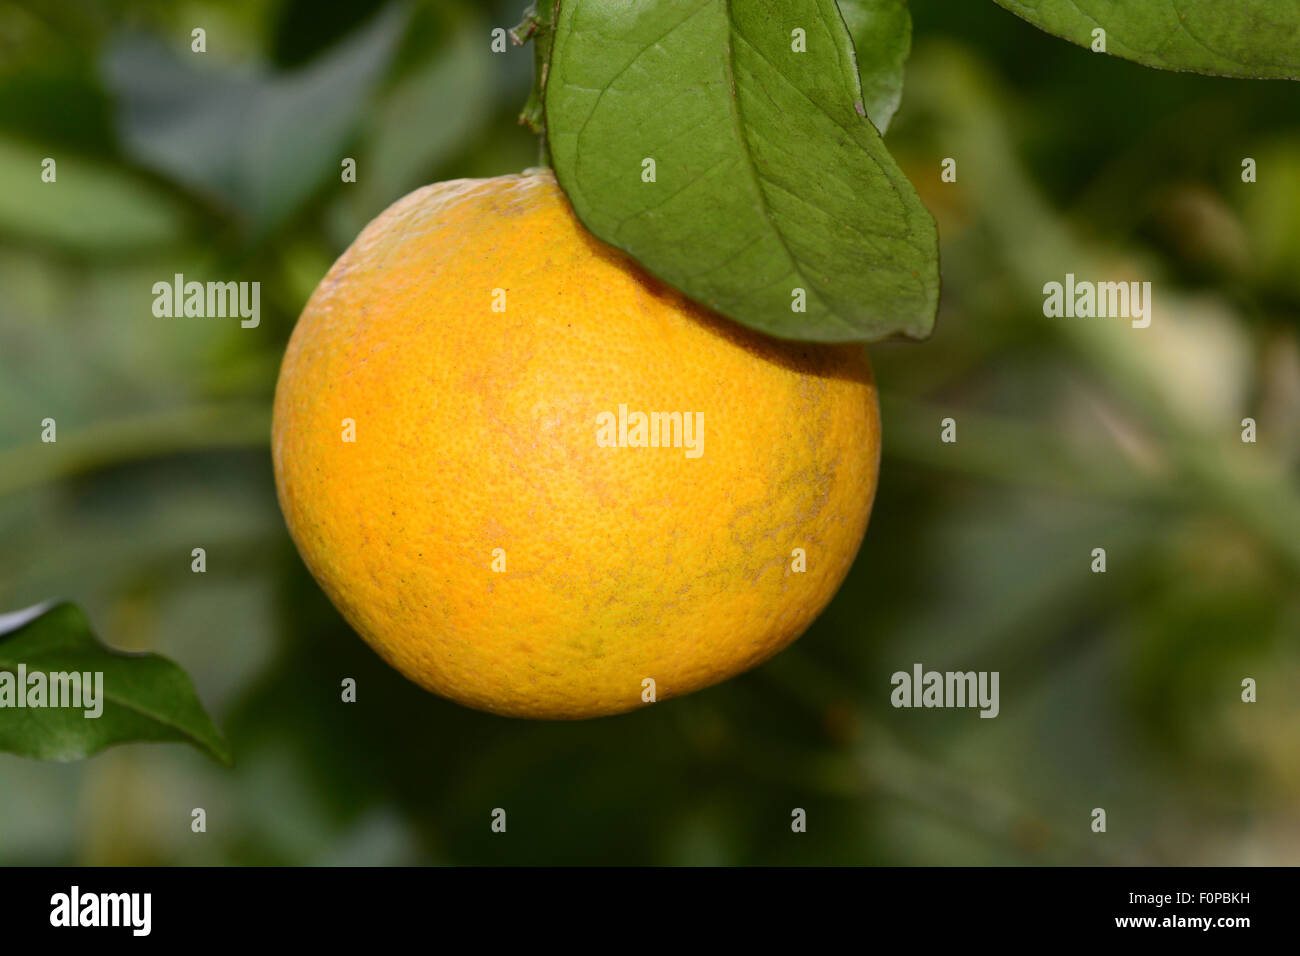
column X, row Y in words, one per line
column 461, row 461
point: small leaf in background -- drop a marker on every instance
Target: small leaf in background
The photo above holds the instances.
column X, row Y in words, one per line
column 771, row 189
column 400, row 154
column 144, row 696
column 92, row 207
column 260, row 141
column 1246, row 38
column 882, row 36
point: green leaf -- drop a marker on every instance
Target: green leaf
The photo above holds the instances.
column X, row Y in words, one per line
column 882, row 37
column 1247, row 38
column 144, row 696
column 769, row 179
column 91, row 207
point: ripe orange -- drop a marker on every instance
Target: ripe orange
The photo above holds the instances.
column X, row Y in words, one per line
column 495, row 530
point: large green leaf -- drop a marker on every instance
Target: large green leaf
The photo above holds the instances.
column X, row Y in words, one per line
column 1249, row 38
column 882, row 37
column 769, row 178
column 144, row 696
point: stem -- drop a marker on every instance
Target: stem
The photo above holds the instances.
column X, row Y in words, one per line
column 1017, row 454
column 539, row 26
column 104, row 445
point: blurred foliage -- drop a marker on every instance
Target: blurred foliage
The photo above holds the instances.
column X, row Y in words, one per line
column 1118, row 690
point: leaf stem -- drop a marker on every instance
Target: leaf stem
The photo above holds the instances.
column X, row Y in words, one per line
column 538, row 25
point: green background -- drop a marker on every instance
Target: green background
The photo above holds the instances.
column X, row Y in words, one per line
column 1118, row 690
